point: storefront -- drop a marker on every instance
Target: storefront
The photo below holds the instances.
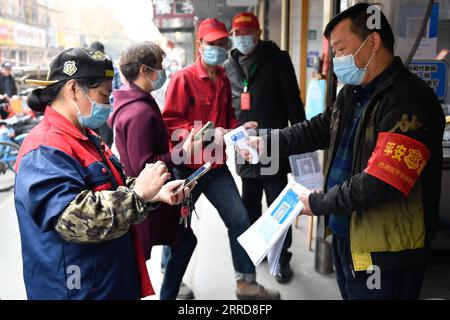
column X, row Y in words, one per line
column 21, row 43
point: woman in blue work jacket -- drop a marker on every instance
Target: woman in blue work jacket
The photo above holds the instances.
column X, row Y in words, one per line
column 75, row 207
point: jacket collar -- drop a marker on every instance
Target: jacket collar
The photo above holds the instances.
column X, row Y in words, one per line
column 63, row 124
column 202, row 73
column 135, row 87
column 372, row 86
column 390, row 75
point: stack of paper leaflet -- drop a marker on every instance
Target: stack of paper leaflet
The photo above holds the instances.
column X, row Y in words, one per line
column 266, row 236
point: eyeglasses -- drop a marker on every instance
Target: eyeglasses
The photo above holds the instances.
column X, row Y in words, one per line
column 156, row 70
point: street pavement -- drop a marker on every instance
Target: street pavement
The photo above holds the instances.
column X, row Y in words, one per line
column 210, row 272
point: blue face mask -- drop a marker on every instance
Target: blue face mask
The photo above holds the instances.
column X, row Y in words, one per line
column 244, row 44
column 173, row 68
column 214, row 55
column 346, row 69
column 99, row 114
column 159, row 82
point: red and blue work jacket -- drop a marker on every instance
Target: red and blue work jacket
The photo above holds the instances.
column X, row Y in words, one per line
column 55, row 164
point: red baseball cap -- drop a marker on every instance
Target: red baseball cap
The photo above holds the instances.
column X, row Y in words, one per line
column 212, row 30
column 245, row 20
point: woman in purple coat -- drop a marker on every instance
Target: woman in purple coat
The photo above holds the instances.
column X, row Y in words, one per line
column 141, row 137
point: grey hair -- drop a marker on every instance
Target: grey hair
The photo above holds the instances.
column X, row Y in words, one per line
column 138, row 54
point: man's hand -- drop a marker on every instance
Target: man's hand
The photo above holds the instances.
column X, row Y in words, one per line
column 190, row 145
column 167, row 193
column 254, row 142
column 151, row 180
column 218, row 136
column 304, row 197
column 250, row 125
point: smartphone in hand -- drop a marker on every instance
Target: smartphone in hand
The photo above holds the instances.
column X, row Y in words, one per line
column 201, row 132
column 195, row 177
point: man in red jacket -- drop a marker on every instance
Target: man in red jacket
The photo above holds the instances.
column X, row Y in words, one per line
column 202, row 93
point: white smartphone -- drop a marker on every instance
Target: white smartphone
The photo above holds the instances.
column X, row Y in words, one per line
column 199, row 134
column 194, row 177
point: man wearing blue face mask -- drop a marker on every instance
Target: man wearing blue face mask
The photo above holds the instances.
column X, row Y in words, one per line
column 383, row 174
column 265, row 90
column 202, row 93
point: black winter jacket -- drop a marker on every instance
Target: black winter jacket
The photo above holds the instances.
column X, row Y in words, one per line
column 402, row 104
column 8, row 86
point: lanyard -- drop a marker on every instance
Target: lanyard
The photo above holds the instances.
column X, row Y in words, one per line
column 245, row 81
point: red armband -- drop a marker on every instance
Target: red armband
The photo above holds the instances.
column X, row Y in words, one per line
column 398, row 160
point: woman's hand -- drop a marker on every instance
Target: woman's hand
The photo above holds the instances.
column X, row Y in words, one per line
column 151, row 180
column 169, row 195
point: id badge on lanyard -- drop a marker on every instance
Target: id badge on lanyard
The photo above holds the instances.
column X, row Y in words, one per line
column 245, row 100
column 245, row 97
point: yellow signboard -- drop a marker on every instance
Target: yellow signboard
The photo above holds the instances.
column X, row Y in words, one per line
column 19, row 34
column 6, row 32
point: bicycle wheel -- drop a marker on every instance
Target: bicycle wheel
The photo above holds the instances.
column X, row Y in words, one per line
column 8, row 157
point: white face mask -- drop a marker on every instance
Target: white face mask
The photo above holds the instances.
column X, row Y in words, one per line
column 346, row 69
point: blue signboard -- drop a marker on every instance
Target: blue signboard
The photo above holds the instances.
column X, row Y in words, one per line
column 433, row 72
column 315, row 98
column 311, row 58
